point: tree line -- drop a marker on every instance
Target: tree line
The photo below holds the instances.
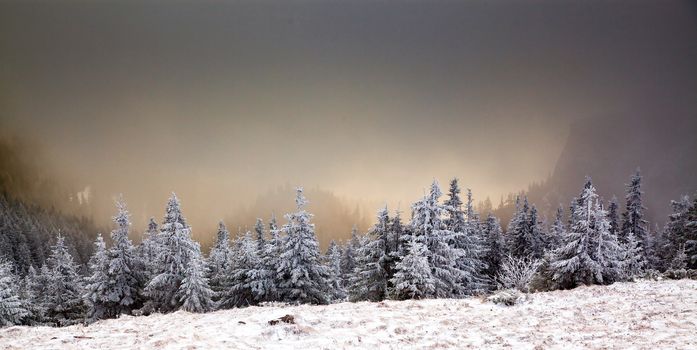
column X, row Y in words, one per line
column 444, row 250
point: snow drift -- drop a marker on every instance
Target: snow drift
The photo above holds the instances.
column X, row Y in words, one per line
column 645, row 314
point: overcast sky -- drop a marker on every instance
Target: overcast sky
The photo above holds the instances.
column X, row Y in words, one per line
column 220, row 101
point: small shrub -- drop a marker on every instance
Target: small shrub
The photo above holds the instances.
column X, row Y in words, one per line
column 517, row 273
column 676, row 274
column 506, row 297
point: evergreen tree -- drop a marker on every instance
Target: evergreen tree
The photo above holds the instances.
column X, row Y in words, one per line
column 427, row 223
column 517, row 227
column 370, row 277
column 12, row 310
column 219, row 260
column 303, row 278
column 125, row 267
column 36, row 284
column 535, row 236
column 494, row 241
column 679, row 261
column 613, row 216
column 609, row 254
column 259, row 231
column 675, row 230
column 556, row 231
column 575, row 262
column 633, row 217
column 98, row 284
column 195, row 295
column 413, row 279
column 63, row 293
column 348, row 258
column 691, row 235
column 333, row 260
column 633, row 261
column 177, row 252
column 148, row 249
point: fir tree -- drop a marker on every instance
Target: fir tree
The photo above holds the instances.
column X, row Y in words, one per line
column 675, row 230
column 98, row 284
column 303, row 279
column 64, row 290
column 691, row 235
column 633, row 217
column 148, row 249
column 125, row 267
column 219, row 259
column 632, row 260
column 494, row 241
column 609, row 254
column 613, row 216
column 427, row 223
column 413, row 279
column 370, row 277
column 556, row 231
column 178, row 250
column 575, row 262
column 194, row 292
column 333, row 260
column 12, row 310
column 348, row 258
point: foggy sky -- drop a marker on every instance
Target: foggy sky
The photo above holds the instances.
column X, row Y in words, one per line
column 222, row 101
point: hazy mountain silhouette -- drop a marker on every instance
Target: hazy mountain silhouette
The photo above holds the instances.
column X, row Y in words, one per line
column 609, row 150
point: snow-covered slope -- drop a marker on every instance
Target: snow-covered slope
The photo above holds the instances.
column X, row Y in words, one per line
column 643, row 315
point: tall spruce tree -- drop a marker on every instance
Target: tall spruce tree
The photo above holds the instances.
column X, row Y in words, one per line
column 178, row 251
column 633, row 217
column 371, row 274
column 12, row 308
column 219, row 260
column 495, row 246
column 64, row 290
column 125, row 267
column 413, row 278
column 348, row 258
column 148, row 249
column 575, row 262
column 99, row 306
column 333, row 261
column 675, row 231
column 691, row 235
column 194, row 293
column 303, row 278
column 427, row 223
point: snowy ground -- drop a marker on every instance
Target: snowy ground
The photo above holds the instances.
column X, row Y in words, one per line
column 642, row 315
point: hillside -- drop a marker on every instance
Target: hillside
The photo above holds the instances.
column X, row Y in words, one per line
column 638, row 315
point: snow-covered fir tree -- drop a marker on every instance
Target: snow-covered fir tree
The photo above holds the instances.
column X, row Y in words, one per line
column 248, row 281
column 370, row 277
column 427, row 223
column 691, row 235
column 633, row 217
column 516, row 232
column 556, row 231
column 219, row 259
column 469, row 239
column 495, row 245
column 609, row 254
column 333, row 261
column 535, row 235
column 176, row 254
column 63, row 293
column 348, row 258
column 613, row 216
column 35, row 286
column 125, row 267
column 12, row 308
column 575, row 262
column 148, row 249
column 674, row 233
column 303, row 278
column 195, row 295
column 632, row 257
column 413, row 278
column 98, row 284
column 679, row 260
